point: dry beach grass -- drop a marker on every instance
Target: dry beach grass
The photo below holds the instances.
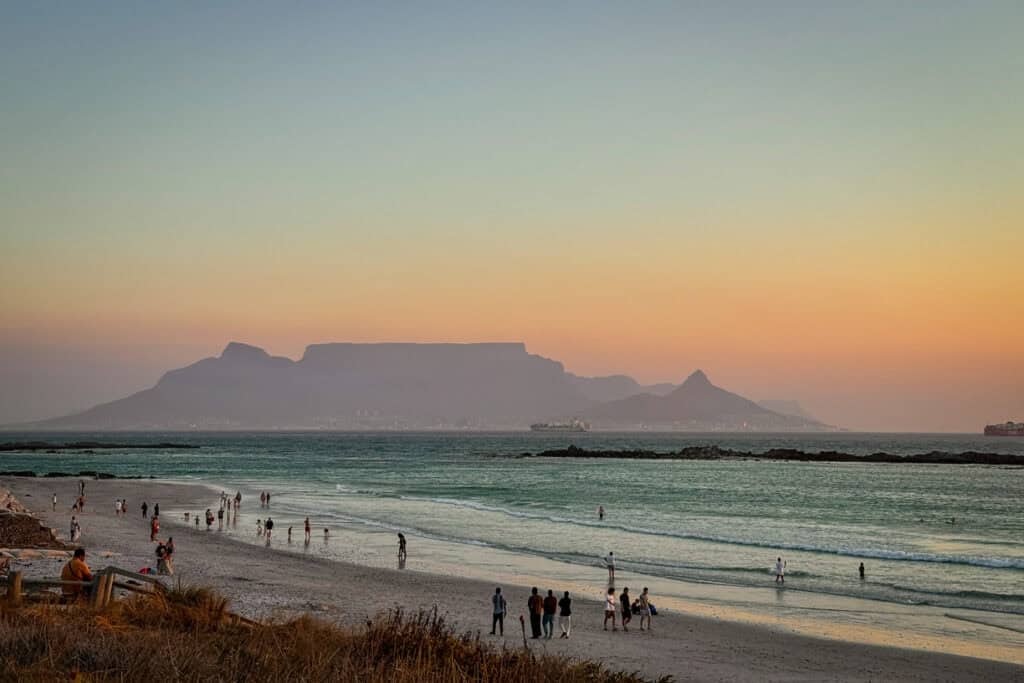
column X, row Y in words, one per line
column 186, row 634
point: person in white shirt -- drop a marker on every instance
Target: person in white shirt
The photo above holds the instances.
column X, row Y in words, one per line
column 780, row 571
column 609, row 562
column 610, row 606
column 499, row 608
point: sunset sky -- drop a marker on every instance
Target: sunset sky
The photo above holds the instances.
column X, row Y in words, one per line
column 811, row 201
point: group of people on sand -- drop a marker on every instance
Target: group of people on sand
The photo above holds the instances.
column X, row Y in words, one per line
column 627, row 608
column 120, row 507
column 542, row 612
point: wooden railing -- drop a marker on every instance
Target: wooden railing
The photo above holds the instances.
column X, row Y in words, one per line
column 101, row 587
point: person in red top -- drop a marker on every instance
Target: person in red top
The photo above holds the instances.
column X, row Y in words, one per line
column 154, row 528
column 535, row 605
column 550, row 607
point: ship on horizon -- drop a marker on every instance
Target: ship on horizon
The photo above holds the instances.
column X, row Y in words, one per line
column 573, row 425
column 1005, row 429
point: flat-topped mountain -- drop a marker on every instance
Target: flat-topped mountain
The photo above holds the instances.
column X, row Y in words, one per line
column 411, row 386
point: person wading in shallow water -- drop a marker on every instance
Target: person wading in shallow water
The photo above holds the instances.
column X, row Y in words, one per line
column 401, row 547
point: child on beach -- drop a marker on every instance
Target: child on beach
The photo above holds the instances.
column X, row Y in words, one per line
column 259, row 527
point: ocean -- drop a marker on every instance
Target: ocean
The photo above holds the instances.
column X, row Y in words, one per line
column 470, row 503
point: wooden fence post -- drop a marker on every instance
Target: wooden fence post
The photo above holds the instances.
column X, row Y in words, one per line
column 109, row 597
column 14, row 589
column 99, row 590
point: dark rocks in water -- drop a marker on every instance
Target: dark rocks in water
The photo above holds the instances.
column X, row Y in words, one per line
column 20, row 473
column 89, row 446
column 792, row 454
column 81, row 475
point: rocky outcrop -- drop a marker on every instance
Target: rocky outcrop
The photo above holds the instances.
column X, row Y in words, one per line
column 717, row 453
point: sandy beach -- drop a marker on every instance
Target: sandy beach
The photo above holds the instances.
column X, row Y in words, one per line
column 268, row 583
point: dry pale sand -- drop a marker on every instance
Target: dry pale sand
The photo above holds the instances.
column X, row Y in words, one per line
column 267, row 583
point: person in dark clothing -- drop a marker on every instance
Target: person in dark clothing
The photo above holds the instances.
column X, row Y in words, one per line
column 626, row 608
column 565, row 615
column 145, row 510
column 861, row 570
column 156, row 509
column 550, row 607
column 499, row 607
column 535, row 605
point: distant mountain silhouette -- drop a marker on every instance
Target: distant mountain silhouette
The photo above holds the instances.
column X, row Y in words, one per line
column 615, row 387
column 785, row 407
column 695, row 404
column 410, row 386
column 347, row 386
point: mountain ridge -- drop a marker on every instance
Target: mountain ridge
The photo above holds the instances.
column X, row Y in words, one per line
column 399, row 385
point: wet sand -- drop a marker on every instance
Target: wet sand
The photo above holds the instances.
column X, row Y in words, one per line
column 269, row 583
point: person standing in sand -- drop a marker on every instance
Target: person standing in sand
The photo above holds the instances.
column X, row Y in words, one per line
column 154, row 527
column 780, row 571
column 289, row 534
column 565, row 615
column 644, row 603
column 308, row 530
column 269, row 526
column 55, row 501
column 498, row 609
column 550, row 607
column 535, row 605
column 609, row 562
column 220, row 517
column 627, row 608
column 861, row 570
column 145, row 510
column 401, row 547
column 259, row 527
column 263, row 499
column 610, row 609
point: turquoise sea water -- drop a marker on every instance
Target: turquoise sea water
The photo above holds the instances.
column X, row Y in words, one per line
column 698, row 521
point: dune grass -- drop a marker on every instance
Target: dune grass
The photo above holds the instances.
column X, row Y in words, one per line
column 187, row 634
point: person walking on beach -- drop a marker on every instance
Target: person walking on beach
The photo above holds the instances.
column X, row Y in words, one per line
column 627, row 608
column 238, row 499
column 263, row 499
column 535, row 605
column 145, row 510
column 154, row 527
column 565, row 615
column 308, row 530
column 609, row 609
column 609, row 562
column 269, row 526
column 209, row 518
column 550, row 607
column 81, row 487
column 401, row 547
column 861, row 570
column 268, row 498
column 259, row 527
column 117, row 507
column 220, row 518
column 644, row 603
column 156, row 509
column 498, row 609
column 780, row 571
column 289, row 534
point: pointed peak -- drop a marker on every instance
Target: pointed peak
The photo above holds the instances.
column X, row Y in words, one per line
column 697, row 378
column 238, row 350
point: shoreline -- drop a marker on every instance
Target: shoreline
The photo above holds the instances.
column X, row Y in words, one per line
column 276, row 582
